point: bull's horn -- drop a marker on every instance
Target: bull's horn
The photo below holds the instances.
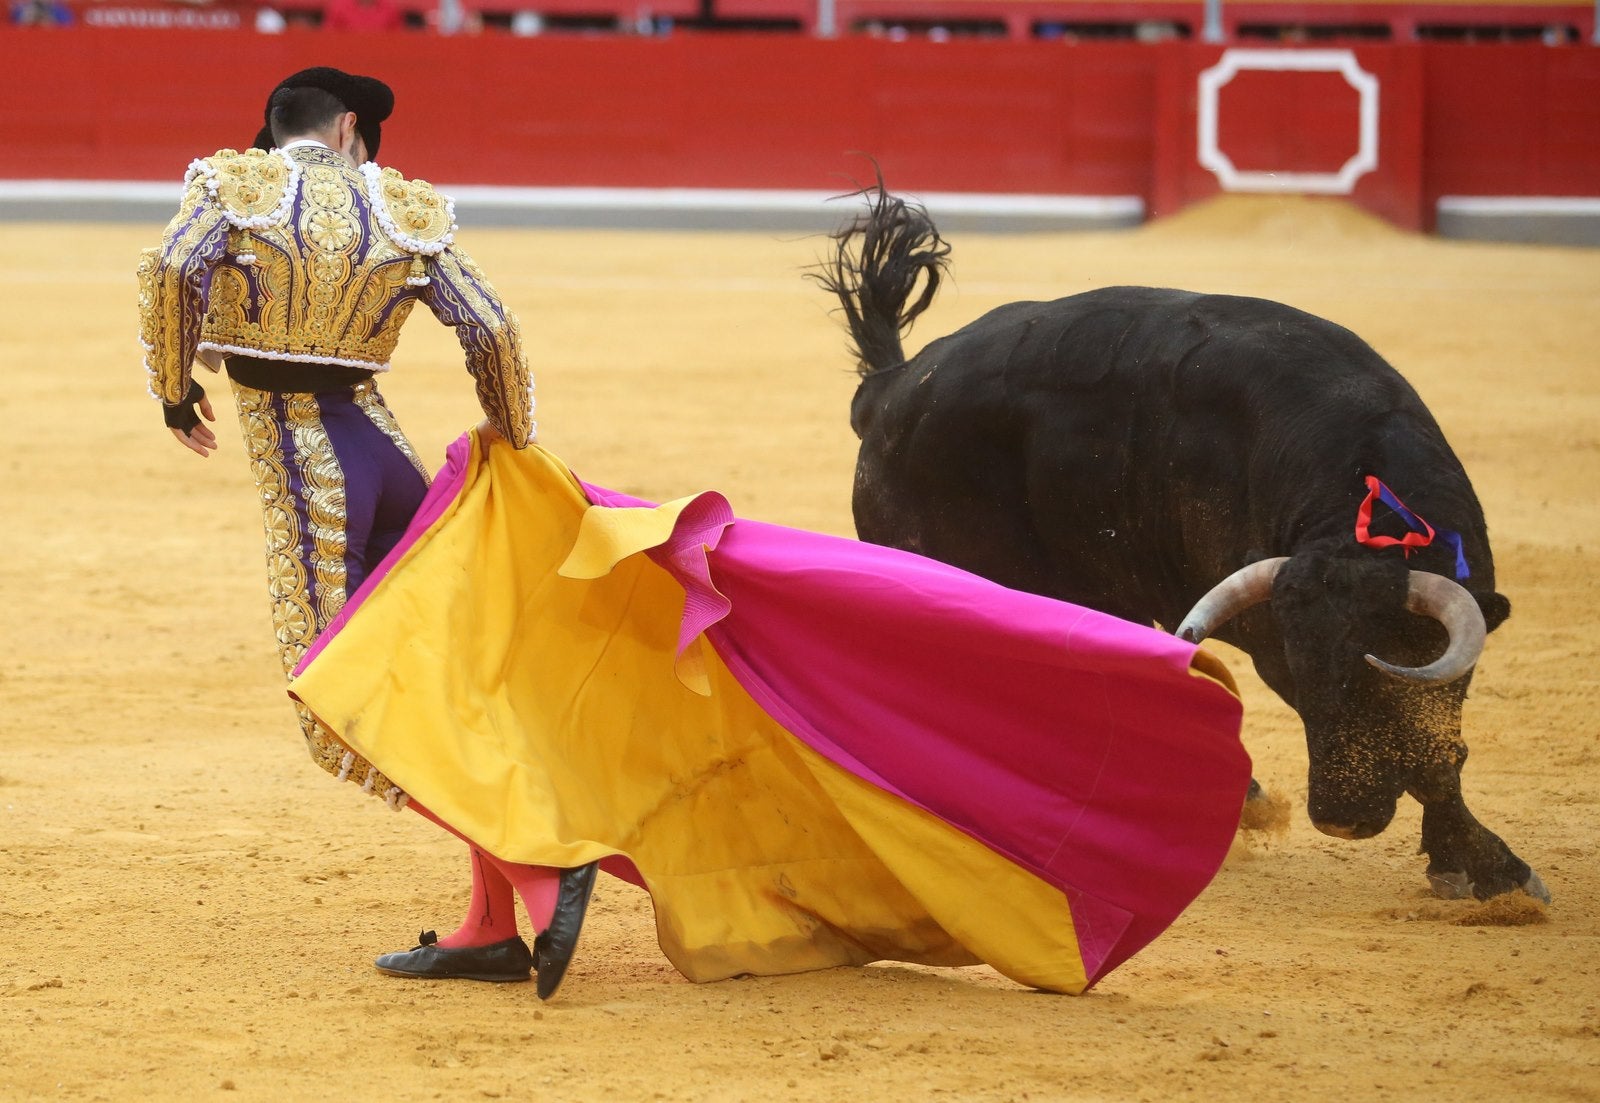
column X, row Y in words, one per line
column 1227, row 599
column 1432, row 595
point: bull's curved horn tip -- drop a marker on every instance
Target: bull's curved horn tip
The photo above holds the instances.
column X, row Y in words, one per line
column 1449, row 603
column 1421, row 676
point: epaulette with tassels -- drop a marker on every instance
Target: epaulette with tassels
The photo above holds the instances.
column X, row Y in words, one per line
column 414, row 215
column 255, row 190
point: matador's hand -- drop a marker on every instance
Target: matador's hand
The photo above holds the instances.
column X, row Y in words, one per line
column 187, row 427
column 488, row 434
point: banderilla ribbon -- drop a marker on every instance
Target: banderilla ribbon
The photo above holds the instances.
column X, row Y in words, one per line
column 1421, row 535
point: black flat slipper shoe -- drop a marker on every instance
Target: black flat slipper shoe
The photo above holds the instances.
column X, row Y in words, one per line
column 554, row 946
column 510, row 960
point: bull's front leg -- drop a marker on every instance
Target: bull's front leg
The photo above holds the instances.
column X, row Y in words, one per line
column 1466, row 857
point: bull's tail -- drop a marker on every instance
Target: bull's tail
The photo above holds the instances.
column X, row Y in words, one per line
column 877, row 280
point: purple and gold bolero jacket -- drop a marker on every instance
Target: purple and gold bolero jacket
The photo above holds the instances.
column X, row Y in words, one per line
column 294, row 255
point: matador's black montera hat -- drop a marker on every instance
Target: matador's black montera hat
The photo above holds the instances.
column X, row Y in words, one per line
column 370, row 98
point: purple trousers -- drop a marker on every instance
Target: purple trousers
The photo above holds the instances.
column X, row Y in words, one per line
column 338, row 482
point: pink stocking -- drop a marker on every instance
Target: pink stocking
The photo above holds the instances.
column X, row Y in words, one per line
column 537, row 885
column 492, row 917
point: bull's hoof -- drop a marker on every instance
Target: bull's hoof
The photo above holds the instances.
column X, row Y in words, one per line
column 1450, row 886
column 1534, row 887
column 1456, row 885
column 1264, row 811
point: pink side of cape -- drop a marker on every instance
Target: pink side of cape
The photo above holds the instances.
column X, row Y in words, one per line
column 1075, row 744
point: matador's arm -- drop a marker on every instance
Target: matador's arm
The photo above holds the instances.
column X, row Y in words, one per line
column 172, row 281
column 461, row 296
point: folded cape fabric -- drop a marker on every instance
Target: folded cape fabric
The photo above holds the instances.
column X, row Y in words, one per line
column 813, row 751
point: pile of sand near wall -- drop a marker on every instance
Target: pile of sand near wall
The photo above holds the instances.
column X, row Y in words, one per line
column 190, row 910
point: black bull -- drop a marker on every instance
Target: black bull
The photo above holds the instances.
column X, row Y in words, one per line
column 1195, row 461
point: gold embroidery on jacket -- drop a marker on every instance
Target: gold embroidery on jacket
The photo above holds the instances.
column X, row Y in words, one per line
column 333, row 249
column 417, row 210
column 249, row 184
column 166, row 328
column 325, row 283
column 494, row 349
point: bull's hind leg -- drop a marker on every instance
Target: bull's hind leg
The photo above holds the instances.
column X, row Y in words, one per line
column 1464, row 857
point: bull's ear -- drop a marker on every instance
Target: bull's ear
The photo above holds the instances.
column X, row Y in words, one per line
column 1496, row 608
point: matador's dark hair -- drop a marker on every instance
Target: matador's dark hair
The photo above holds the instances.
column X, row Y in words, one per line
column 370, row 98
column 296, row 111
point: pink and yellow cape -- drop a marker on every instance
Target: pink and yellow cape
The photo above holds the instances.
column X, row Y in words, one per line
column 813, row 751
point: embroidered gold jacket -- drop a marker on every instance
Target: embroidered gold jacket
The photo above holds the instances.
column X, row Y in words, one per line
column 294, row 255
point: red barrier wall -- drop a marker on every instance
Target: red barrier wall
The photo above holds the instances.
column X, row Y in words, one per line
column 1402, row 17
column 788, row 112
column 1511, row 120
column 723, row 111
column 1019, row 18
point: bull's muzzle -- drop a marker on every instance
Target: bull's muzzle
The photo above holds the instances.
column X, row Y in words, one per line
column 1358, row 830
column 1355, row 815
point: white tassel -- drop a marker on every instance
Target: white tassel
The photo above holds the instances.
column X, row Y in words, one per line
column 346, row 764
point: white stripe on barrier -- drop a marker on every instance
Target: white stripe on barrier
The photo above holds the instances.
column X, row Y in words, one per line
column 483, row 197
column 91, row 189
column 1520, row 205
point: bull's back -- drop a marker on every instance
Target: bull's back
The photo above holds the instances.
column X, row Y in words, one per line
column 1119, row 434
column 1132, row 364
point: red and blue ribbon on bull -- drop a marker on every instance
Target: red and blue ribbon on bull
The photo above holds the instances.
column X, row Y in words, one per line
column 1421, row 535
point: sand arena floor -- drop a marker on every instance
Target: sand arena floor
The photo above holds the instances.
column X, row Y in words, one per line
column 189, row 910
